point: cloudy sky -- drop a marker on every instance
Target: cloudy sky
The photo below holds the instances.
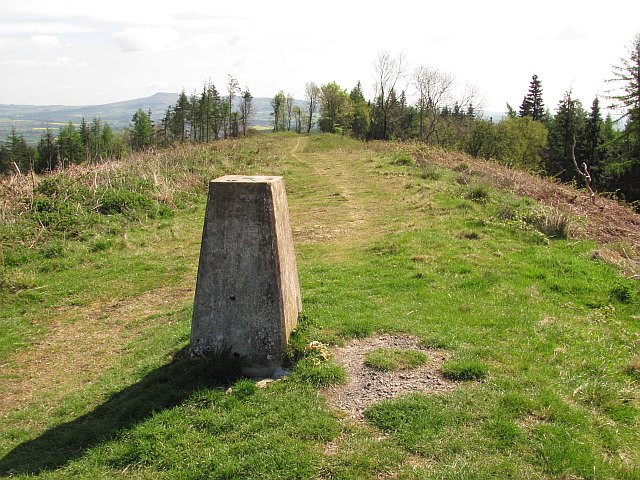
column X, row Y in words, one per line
column 78, row 52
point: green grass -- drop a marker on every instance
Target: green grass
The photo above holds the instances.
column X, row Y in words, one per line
column 393, row 359
column 546, row 332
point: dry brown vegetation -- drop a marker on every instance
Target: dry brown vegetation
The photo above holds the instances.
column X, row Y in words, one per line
column 607, row 221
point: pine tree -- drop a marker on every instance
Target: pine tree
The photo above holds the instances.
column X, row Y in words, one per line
column 70, row 145
column 18, row 151
column 47, row 152
column 360, row 108
column 569, row 123
column 141, row 130
column 628, row 101
column 532, row 104
column 593, row 140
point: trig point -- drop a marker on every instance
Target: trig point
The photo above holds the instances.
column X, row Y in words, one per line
column 247, row 293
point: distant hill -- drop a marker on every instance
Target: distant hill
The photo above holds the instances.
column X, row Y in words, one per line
column 31, row 120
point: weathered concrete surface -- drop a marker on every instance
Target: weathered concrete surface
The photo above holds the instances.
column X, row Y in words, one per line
column 247, row 292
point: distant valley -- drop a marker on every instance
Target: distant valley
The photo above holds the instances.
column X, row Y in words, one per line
column 31, row 120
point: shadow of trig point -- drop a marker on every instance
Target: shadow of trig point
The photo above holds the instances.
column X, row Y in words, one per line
column 247, row 293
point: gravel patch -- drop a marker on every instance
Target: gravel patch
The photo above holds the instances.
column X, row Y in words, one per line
column 366, row 386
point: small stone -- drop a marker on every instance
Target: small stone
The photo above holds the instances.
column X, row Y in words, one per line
column 264, row 382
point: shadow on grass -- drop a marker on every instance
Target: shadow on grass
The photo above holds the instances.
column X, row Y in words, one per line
column 163, row 388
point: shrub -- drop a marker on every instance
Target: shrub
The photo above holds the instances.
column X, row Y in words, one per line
column 478, row 193
column 115, row 200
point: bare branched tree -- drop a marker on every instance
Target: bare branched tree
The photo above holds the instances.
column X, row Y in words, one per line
column 388, row 72
column 436, row 92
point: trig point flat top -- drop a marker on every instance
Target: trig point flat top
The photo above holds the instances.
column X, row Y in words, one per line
column 248, row 178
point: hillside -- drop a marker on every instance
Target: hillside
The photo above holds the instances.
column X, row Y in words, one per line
column 31, row 120
column 521, row 294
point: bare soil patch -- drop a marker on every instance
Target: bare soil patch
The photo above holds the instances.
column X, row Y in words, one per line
column 366, row 386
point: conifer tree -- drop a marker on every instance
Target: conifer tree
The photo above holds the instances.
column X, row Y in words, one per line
column 70, row 145
column 532, row 104
column 141, row 130
column 360, row 108
column 47, row 152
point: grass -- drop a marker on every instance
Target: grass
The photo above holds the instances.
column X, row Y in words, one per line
column 393, row 359
column 94, row 327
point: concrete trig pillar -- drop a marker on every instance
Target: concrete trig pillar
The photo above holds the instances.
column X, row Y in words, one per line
column 247, row 292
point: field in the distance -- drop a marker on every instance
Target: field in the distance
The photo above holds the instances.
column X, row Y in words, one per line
column 96, row 286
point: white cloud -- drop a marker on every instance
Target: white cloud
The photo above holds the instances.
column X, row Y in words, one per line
column 204, row 41
column 42, row 28
column 45, row 41
column 199, row 63
column 36, row 63
column 145, row 39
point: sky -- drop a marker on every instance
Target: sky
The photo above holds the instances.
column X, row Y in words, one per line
column 86, row 52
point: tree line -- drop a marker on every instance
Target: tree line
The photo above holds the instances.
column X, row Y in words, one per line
column 200, row 117
column 572, row 144
column 565, row 144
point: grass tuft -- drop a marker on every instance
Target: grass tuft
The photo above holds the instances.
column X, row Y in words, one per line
column 464, row 370
column 322, row 374
column 550, row 222
column 478, row 193
column 633, row 368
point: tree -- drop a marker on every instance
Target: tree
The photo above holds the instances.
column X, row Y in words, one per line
column 435, row 93
column 233, row 87
column 312, row 95
column 47, row 152
column 388, row 70
column 18, row 152
column 297, row 116
column 532, row 104
column 245, row 110
column 594, row 141
column 360, row 119
column 180, row 117
column 569, row 122
column 278, row 108
column 289, row 110
column 335, row 109
column 141, row 130
column 627, row 100
column 520, row 141
column 70, row 145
